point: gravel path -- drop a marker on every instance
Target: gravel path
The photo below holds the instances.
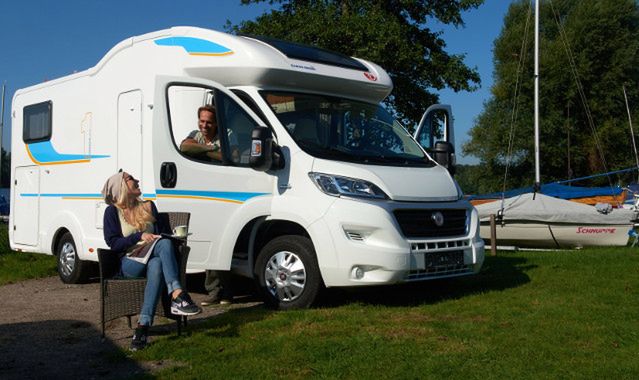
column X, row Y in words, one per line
column 51, row 330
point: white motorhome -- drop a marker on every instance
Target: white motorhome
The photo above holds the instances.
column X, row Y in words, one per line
column 318, row 185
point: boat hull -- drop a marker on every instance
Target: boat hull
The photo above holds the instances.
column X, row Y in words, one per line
column 542, row 235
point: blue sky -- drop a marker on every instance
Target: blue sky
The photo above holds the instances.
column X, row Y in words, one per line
column 44, row 40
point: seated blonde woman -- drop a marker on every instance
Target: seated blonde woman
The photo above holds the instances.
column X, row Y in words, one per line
column 128, row 222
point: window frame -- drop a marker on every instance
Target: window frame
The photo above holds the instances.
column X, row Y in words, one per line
column 220, row 115
column 29, row 110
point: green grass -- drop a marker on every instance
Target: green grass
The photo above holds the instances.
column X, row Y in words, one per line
column 571, row 314
column 17, row 266
column 527, row 315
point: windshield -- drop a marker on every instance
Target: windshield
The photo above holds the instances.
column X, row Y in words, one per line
column 346, row 130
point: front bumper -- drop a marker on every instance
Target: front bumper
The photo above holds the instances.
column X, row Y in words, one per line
column 368, row 247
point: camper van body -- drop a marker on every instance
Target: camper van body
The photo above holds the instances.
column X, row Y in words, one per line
column 131, row 112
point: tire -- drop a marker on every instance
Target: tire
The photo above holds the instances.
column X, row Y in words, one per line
column 287, row 273
column 71, row 269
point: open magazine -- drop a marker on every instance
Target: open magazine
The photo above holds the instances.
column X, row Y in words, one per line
column 142, row 251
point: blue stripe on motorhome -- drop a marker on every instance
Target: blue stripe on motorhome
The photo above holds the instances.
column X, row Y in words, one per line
column 195, row 45
column 61, row 195
column 234, row 196
column 44, row 152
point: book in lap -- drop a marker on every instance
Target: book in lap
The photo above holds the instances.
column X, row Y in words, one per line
column 142, row 251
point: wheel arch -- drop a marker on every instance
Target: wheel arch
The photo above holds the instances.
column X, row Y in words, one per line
column 66, row 222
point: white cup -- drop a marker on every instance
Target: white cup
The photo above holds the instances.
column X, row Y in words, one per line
column 180, row 231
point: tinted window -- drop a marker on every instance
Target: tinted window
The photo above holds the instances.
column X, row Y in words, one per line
column 37, row 122
column 312, row 53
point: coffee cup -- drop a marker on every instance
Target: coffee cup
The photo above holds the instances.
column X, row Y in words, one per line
column 180, row 231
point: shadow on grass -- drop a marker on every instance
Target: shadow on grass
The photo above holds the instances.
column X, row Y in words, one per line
column 498, row 273
column 60, row 349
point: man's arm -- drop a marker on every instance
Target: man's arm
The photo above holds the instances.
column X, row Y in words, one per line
column 193, row 148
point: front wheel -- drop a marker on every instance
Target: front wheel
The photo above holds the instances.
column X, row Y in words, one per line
column 71, row 269
column 287, row 273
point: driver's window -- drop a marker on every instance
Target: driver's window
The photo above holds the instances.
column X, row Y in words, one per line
column 433, row 129
column 238, row 125
column 208, row 132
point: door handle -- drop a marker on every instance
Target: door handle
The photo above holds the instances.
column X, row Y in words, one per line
column 168, row 174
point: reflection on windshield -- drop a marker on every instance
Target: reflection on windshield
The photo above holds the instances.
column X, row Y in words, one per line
column 344, row 129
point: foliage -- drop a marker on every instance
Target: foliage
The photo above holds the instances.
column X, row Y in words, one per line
column 396, row 35
column 603, row 37
column 5, row 168
column 527, row 315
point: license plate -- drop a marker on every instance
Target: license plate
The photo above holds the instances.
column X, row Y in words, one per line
column 439, row 259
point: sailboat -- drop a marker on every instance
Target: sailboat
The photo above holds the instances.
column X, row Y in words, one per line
column 535, row 220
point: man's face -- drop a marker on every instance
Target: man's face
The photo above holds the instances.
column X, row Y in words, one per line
column 207, row 124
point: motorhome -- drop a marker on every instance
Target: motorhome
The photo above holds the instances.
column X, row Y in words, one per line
column 317, row 184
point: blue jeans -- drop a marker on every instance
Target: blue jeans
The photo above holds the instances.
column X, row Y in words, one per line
column 161, row 268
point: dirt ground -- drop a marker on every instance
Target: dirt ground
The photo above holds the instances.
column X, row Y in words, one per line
column 51, row 330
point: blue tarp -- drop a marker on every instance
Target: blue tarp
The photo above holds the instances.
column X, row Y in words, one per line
column 556, row 190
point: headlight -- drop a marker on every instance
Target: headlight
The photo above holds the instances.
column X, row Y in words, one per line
column 344, row 186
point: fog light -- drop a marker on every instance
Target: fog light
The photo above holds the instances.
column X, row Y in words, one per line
column 357, row 273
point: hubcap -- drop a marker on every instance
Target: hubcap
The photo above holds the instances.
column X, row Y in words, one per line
column 285, row 276
column 67, row 259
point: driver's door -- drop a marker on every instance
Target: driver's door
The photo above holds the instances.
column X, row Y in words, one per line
column 213, row 191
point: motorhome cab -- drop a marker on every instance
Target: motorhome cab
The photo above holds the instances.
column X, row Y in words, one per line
column 316, row 183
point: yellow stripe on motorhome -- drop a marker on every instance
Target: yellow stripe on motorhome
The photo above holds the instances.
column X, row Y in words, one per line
column 212, row 54
column 202, row 198
column 83, row 198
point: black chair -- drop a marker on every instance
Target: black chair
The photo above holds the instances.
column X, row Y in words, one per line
column 122, row 297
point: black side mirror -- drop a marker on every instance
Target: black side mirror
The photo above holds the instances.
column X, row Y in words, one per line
column 261, row 149
column 444, row 154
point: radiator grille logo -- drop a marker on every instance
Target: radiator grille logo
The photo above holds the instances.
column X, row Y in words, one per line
column 437, row 218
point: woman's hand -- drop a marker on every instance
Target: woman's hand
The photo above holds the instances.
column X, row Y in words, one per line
column 148, row 238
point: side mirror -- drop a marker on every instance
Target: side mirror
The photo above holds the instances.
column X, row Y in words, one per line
column 444, row 154
column 261, row 149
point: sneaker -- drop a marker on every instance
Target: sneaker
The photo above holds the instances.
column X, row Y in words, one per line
column 139, row 338
column 184, row 305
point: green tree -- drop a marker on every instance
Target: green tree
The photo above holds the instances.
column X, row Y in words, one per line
column 5, row 169
column 603, row 38
column 397, row 35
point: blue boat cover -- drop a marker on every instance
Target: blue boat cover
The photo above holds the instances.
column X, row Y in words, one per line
column 556, row 190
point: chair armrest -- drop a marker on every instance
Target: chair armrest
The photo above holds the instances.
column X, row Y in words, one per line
column 109, row 262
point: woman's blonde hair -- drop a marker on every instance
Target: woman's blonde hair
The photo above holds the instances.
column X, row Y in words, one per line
column 141, row 215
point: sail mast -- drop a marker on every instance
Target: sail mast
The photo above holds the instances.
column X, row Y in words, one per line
column 537, row 171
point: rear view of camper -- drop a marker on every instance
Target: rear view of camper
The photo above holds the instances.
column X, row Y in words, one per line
column 315, row 184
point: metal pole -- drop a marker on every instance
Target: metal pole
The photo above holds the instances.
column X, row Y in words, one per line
column 493, row 235
column 537, row 171
column 632, row 133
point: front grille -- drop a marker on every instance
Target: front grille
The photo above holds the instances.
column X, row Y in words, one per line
column 420, row 223
column 439, row 271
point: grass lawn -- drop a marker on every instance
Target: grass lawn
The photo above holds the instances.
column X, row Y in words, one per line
column 571, row 314
column 527, row 315
column 16, row 266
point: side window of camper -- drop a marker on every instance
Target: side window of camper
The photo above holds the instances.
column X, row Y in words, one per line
column 37, row 122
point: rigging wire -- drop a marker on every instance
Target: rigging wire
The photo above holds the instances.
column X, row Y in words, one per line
column 580, row 90
column 515, row 108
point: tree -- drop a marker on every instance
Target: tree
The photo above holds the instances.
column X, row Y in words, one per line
column 5, row 169
column 603, row 39
column 393, row 34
